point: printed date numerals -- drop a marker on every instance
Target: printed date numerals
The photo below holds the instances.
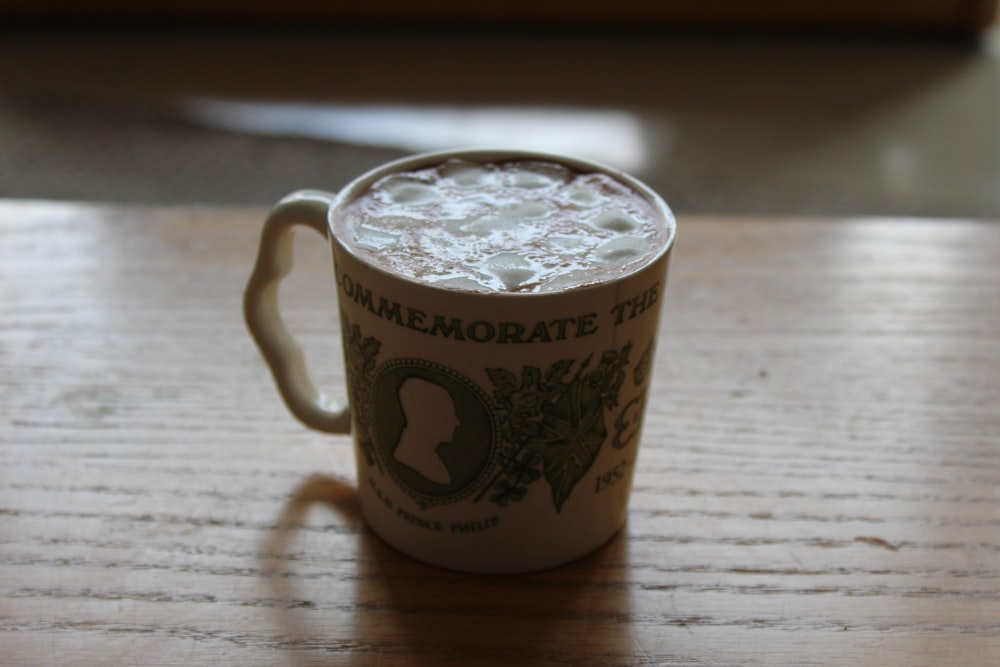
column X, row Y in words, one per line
column 611, row 477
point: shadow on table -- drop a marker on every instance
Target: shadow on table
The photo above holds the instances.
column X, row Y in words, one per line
column 400, row 608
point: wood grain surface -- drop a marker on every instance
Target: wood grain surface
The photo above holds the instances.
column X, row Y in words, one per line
column 819, row 480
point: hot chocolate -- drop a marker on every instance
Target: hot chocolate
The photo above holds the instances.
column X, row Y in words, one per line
column 519, row 226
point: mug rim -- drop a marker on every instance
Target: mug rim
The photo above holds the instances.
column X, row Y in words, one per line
column 357, row 186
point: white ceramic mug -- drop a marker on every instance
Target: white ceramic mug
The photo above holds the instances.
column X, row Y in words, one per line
column 494, row 432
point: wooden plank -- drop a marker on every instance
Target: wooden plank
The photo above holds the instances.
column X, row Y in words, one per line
column 817, row 481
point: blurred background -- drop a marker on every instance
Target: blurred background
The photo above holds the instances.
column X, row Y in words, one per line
column 861, row 107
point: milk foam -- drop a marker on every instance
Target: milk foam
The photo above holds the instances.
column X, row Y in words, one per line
column 519, row 226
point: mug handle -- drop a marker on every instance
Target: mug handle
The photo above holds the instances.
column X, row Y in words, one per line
column 263, row 317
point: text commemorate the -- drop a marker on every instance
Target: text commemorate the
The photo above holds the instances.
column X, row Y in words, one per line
column 485, row 331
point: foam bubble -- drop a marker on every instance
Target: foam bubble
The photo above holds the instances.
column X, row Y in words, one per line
column 532, row 209
column 376, row 239
column 486, row 225
column 567, row 279
column 567, row 242
column 582, row 197
column 535, row 175
column 466, row 174
column 622, row 250
column 407, row 190
column 512, row 269
column 617, row 220
column 460, row 282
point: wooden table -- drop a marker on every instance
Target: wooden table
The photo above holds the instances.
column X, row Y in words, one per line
column 819, row 481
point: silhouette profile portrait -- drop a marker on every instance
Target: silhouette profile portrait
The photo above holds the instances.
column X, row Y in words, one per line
column 430, row 421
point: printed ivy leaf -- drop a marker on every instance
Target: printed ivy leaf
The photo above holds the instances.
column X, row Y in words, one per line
column 369, row 349
column 531, row 377
column 507, row 492
column 608, row 377
column 523, row 468
column 570, row 436
column 525, row 412
column 504, row 384
column 556, row 373
column 362, row 353
column 644, row 365
column 361, row 358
